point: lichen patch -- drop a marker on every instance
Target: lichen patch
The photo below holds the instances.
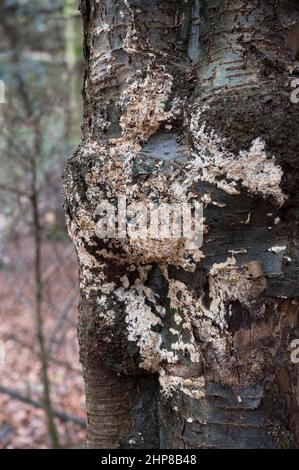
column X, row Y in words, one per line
column 194, row 387
column 143, row 103
column 253, row 168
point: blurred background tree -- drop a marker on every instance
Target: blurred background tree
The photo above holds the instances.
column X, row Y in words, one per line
column 41, row 68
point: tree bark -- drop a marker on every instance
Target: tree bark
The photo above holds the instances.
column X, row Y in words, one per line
column 189, row 101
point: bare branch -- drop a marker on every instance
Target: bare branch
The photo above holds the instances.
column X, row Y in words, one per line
column 64, row 417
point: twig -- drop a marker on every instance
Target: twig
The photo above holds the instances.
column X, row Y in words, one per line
column 69, row 301
column 64, row 417
column 52, row 359
column 57, row 264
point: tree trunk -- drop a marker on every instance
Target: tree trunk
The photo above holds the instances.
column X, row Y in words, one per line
column 186, row 346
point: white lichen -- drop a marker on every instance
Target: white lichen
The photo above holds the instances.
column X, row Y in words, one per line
column 252, row 168
column 143, row 104
column 277, row 249
column 192, row 387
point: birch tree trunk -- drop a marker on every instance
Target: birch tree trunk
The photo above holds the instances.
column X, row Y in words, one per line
column 189, row 101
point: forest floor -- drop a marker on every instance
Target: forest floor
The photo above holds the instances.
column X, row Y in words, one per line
column 21, row 424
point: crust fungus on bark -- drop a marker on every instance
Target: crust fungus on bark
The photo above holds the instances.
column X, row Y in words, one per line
column 189, row 101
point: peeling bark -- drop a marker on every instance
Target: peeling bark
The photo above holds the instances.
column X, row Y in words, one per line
column 189, row 101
